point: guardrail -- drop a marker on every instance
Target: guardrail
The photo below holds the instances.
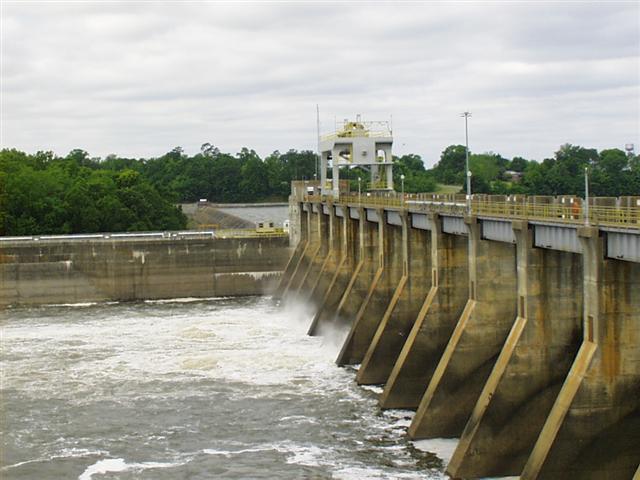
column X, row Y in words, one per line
column 169, row 235
column 574, row 213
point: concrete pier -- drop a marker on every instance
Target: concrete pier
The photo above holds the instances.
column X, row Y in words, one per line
column 508, row 324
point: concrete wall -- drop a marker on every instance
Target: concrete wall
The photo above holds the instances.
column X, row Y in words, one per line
column 526, row 350
column 59, row 271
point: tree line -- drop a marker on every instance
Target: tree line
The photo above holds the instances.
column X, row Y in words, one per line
column 43, row 193
column 611, row 172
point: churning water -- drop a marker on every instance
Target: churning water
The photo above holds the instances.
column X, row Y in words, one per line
column 226, row 388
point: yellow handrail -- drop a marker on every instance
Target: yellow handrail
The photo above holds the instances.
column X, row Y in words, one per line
column 575, row 213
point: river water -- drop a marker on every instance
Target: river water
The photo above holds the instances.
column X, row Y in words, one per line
column 216, row 388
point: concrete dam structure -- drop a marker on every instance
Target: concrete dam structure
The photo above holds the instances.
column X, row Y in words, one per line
column 139, row 266
column 512, row 324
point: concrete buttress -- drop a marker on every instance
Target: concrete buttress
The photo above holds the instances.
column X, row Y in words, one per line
column 593, row 429
column 434, row 322
column 295, row 258
column 329, row 267
column 379, row 293
column 532, row 366
column 317, row 256
column 310, row 252
column 291, row 279
column 371, row 241
column 408, row 297
column 475, row 342
column 346, row 296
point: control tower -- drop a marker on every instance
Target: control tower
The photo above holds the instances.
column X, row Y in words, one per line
column 357, row 144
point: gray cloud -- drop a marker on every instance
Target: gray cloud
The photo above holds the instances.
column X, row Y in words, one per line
column 138, row 79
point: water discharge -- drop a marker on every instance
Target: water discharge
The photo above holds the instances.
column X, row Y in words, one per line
column 223, row 387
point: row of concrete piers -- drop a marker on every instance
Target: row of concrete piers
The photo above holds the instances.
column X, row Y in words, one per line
column 528, row 354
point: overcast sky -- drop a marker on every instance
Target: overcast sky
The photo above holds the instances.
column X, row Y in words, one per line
column 137, row 79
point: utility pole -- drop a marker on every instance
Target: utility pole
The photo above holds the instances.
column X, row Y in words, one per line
column 467, row 172
column 586, row 196
column 318, row 133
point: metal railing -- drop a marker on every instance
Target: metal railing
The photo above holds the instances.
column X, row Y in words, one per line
column 249, row 232
column 573, row 213
column 140, row 236
column 356, row 134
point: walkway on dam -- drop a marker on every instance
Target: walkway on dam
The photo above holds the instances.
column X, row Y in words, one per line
column 568, row 209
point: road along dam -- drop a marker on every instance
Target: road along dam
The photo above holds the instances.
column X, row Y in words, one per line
column 511, row 323
column 139, row 266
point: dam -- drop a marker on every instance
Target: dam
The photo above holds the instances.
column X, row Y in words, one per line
column 511, row 323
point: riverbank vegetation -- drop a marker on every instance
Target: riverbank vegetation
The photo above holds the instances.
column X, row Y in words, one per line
column 44, row 193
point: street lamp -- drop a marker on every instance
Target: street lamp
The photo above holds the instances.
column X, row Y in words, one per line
column 359, row 190
column 402, row 181
column 466, row 116
column 586, row 196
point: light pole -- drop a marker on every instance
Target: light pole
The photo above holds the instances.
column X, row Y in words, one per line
column 359, row 190
column 586, row 196
column 402, row 182
column 466, row 116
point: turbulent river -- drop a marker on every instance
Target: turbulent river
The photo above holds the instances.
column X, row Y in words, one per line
column 217, row 388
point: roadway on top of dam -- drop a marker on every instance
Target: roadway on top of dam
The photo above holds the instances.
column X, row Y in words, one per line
column 567, row 213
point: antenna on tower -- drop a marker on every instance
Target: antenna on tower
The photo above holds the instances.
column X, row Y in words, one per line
column 318, row 133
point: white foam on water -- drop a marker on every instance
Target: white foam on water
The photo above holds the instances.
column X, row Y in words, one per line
column 72, row 305
column 119, row 465
column 310, row 456
column 369, row 473
column 162, row 301
column 230, row 453
column 104, row 466
column 443, row 448
column 373, row 388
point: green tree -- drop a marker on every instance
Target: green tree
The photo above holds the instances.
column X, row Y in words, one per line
column 450, row 168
